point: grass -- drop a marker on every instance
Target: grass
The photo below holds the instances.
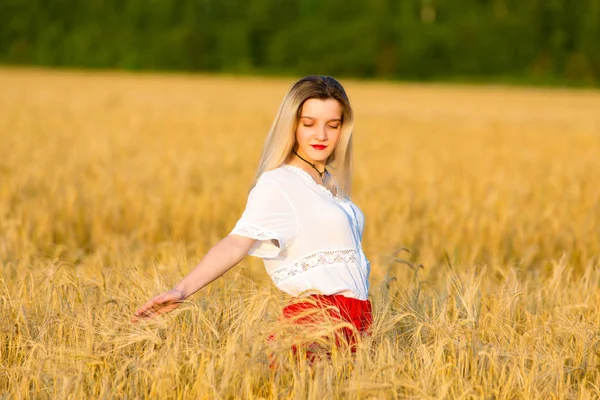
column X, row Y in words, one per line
column 112, row 186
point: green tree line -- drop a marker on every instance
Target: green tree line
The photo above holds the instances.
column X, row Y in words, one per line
column 404, row 39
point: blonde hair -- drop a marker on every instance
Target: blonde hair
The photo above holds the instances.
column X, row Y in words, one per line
column 282, row 135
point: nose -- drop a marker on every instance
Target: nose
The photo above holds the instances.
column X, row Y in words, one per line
column 322, row 133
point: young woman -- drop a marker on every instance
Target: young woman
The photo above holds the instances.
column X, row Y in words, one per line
column 299, row 218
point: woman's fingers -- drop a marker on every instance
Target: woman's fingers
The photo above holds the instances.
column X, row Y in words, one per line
column 158, row 305
column 148, row 306
column 143, row 311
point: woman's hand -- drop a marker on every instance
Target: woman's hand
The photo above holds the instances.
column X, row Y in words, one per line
column 161, row 304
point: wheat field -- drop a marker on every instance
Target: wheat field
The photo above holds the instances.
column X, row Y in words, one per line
column 482, row 208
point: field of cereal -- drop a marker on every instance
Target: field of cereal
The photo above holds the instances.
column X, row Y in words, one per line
column 113, row 186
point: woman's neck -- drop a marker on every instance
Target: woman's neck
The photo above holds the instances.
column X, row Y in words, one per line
column 295, row 161
column 300, row 158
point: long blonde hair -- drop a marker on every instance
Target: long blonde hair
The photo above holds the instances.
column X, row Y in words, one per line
column 282, row 135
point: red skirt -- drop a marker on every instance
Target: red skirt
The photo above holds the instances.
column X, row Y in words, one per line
column 336, row 320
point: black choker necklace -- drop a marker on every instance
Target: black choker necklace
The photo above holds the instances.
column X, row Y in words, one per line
column 321, row 174
column 325, row 175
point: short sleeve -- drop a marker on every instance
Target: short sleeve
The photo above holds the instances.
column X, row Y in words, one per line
column 269, row 218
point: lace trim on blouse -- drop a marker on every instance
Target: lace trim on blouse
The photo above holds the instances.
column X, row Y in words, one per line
column 253, row 232
column 321, row 258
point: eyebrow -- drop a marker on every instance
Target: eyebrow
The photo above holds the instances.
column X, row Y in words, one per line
column 331, row 120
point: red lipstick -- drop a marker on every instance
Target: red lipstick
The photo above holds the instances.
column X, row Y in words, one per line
column 318, row 146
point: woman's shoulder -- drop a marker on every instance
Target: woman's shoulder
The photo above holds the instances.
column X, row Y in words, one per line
column 280, row 175
column 285, row 180
column 275, row 174
column 272, row 188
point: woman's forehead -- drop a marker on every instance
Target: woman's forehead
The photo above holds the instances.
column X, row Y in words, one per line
column 317, row 109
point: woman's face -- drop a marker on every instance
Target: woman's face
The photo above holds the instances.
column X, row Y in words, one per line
column 319, row 129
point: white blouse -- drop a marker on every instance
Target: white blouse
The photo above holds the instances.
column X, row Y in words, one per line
column 309, row 239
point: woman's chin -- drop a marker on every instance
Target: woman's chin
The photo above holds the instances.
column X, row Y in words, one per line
column 318, row 156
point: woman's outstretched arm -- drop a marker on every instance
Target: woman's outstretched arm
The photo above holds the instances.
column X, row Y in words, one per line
column 219, row 259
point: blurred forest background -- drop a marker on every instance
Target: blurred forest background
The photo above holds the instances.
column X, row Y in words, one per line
column 525, row 41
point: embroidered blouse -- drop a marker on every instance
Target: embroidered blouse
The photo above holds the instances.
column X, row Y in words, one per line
column 309, row 239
